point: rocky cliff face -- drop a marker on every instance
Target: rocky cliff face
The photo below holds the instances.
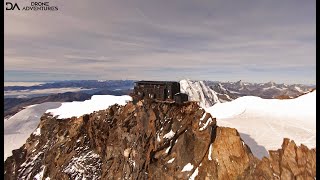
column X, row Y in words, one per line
column 289, row 162
column 148, row 141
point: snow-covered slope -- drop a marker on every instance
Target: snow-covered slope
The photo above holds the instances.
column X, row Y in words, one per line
column 198, row 91
column 18, row 127
column 263, row 123
column 96, row 103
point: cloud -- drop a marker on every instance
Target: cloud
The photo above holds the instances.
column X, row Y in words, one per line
column 42, row 91
column 143, row 39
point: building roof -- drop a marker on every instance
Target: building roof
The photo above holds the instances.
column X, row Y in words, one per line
column 157, row 82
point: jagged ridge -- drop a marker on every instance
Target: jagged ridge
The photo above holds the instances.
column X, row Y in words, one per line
column 143, row 141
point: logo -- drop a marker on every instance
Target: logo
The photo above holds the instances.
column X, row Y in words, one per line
column 34, row 6
column 10, row 6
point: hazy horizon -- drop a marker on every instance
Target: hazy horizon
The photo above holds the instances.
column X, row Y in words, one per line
column 223, row 40
column 30, row 83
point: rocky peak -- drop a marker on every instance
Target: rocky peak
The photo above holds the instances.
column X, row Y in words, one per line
column 240, row 83
column 147, row 140
column 289, row 162
column 270, row 83
column 219, row 88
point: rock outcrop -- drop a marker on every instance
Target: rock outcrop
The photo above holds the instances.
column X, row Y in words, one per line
column 289, row 162
column 151, row 140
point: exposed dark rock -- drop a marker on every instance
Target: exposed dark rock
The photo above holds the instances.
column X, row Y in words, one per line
column 289, row 162
column 149, row 141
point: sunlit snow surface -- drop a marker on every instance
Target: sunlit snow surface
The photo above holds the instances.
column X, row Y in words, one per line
column 198, row 91
column 263, row 123
column 96, row 103
column 187, row 167
column 18, row 127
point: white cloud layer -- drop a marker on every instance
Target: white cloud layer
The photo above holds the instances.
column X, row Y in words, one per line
column 42, row 91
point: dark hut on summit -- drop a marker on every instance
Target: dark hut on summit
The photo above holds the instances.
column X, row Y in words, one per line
column 159, row 90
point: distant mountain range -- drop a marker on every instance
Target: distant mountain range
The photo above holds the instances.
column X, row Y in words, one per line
column 209, row 93
column 86, row 84
column 269, row 90
column 14, row 105
column 206, row 92
column 85, row 89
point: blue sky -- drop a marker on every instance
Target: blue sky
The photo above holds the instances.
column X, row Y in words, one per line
column 251, row 40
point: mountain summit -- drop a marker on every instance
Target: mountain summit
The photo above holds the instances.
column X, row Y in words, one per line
column 149, row 140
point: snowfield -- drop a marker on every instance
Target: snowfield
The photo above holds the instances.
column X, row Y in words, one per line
column 18, row 127
column 96, row 103
column 263, row 123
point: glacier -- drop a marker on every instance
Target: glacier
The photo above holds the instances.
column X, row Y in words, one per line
column 263, row 123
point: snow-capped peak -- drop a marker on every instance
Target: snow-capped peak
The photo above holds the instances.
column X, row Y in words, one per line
column 271, row 83
column 199, row 91
column 240, row 83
